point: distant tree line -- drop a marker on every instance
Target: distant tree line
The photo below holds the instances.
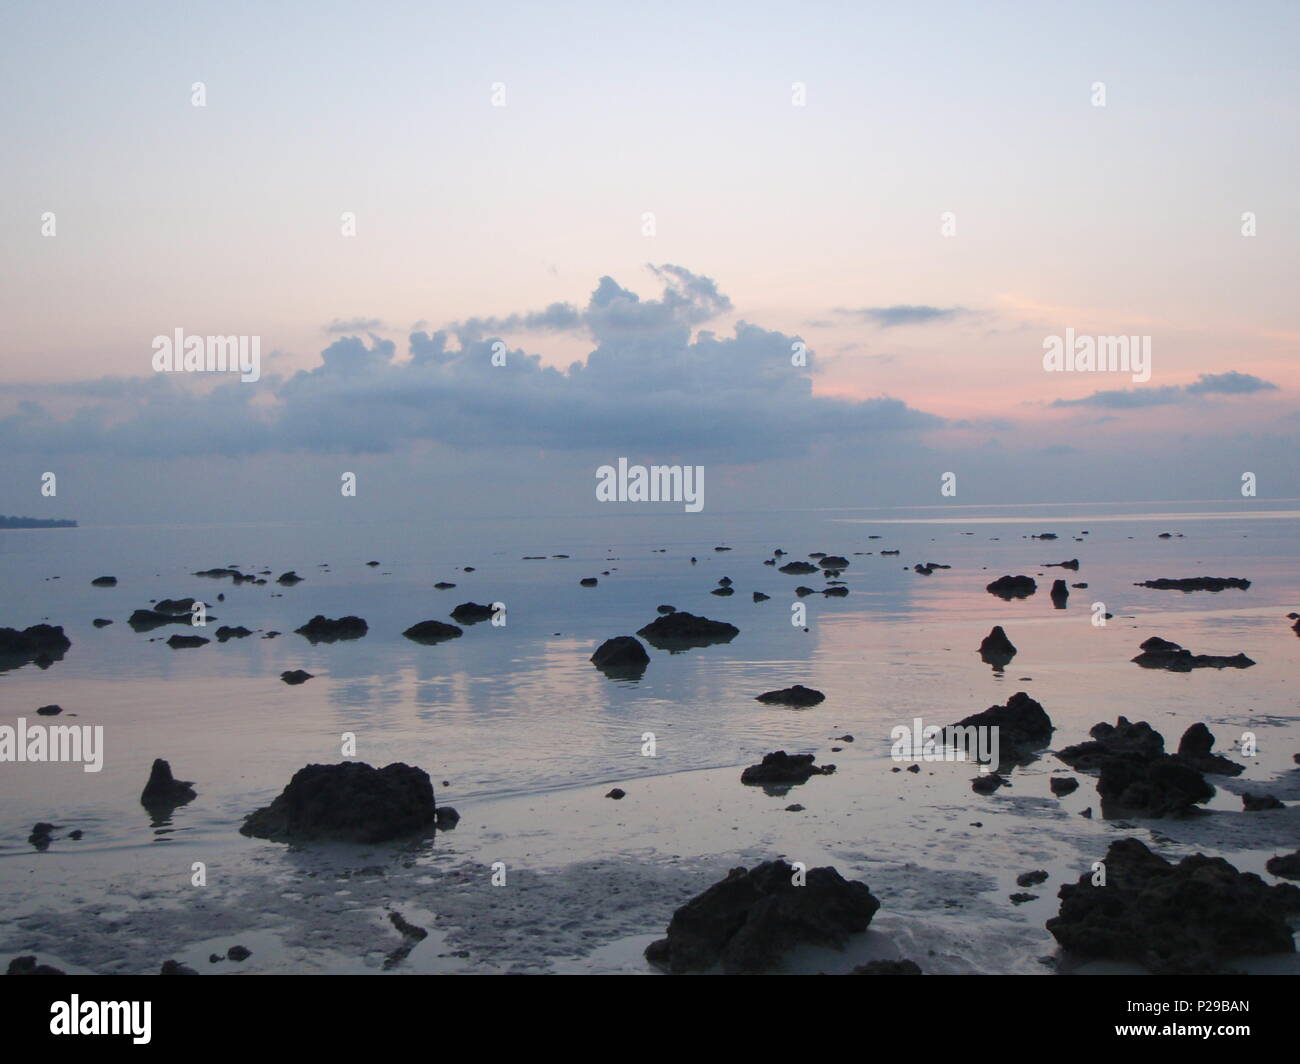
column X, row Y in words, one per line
column 34, row 522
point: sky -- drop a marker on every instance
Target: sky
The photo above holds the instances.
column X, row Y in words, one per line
column 649, row 209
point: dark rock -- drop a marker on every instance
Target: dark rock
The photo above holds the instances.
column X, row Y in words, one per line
column 431, row 632
column 1195, row 750
column 723, row 592
column 40, row 642
column 1023, row 727
column 1286, row 866
column 295, row 677
column 1063, row 785
column 1031, row 879
column 1257, row 803
column 176, row 968
column 901, row 967
column 1196, row 583
column 186, row 642
column 749, row 920
column 148, row 620
column 760, row 597
column 1121, row 738
column 324, row 630
column 681, row 630
column 617, row 793
column 472, row 613
column 623, row 653
column 101, row 622
column 588, row 581
column 836, row 592
column 665, row 609
column 445, row 818
column 782, row 768
column 794, row 808
column 1159, row 653
column 988, row 783
column 833, row 561
column 348, row 802
column 27, row 966
column 996, row 649
column 1132, row 784
column 238, row 953
column 1009, row 587
column 175, row 606
column 1060, row 592
column 1183, row 919
column 288, row 579
column 104, row 581
column 442, row 585
column 164, row 791
column 797, row 568
column 1021, row 898
column 49, row 711
column 1073, row 563
column 798, row 695
column 226, row 632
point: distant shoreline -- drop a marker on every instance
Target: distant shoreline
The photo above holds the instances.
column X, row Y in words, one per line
column 35, row 522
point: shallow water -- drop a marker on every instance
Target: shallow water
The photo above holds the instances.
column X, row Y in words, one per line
column 511, row 713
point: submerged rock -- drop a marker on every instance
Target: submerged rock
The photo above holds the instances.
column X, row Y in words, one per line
column 748, row 921
column 1159, row 653
column 226, row 632
column 681, row 630
column 431, row 632
column 322, row 629
column 1196, row 583
column 295, row 676
column 163, row 790
column 782, row 768
column 41, row 644
column 1009, row 587
column 797, row 568
column 1183, row 919
column 186, row 642
column 798, row 695
column 348, row 802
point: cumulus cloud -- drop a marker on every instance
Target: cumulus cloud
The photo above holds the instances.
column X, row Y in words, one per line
column 904, row 314
column 654, row 381
column 1207, row 384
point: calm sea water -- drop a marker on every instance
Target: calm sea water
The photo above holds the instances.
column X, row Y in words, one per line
column 519, row 709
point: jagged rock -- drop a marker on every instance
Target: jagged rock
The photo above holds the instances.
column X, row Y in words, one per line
column 900, row 967
column 324, row 630
column 1196, row 583
column 1031, row 879
column 680, row 630
column 1159, row 653
column 798, row 696
column 833, row 561
column 623, row 653
column 348, row 802
column 163, row 790
column 996, row 649
column 1009, row 587
column 1195, row 749
column 226, row 632
column 782, row 768
column 430, row 632
column 1183, row 919
column 988, row 783
column 797, row 568
column 1132, row 784
column 1023, row 727
column 749, row 920
column 294, row 677
column 1108, row 740
column 27, row 966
